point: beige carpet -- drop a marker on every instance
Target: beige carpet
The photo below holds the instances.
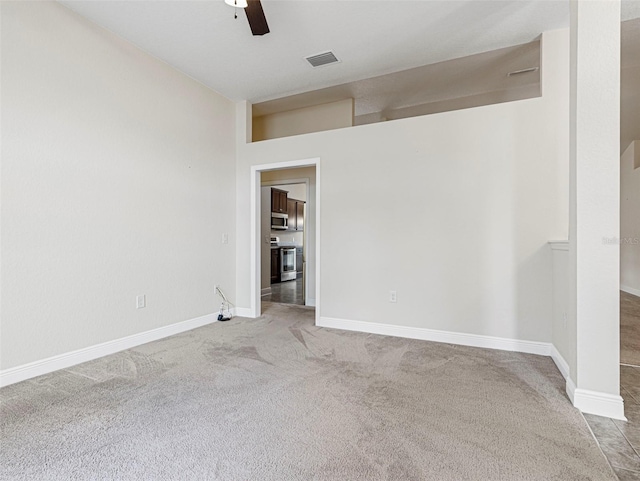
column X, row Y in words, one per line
column 629, row 329
column 279, row 399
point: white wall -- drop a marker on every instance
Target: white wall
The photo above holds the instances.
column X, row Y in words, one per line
column 118, row 179
column 594, row 266
column 294, row 191
column 452, row 210
column 564, row 335
column 332, row 115
column 630, row 220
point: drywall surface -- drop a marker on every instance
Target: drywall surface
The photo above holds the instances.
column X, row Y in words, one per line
column 564, row 332
column 630, row 219
column 452, row 210
column 294, row 191
column 556, row 54
column 594, row 264
column 118, row 180
column 333, row 115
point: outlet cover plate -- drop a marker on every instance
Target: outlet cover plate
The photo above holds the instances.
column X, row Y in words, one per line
column 140, row 302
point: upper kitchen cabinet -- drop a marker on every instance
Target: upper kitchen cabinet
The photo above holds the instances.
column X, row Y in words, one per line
column 291, row 212
column 279, row 201
column 295, row 211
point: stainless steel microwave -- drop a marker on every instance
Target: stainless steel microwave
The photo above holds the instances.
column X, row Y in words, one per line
column 279, row 221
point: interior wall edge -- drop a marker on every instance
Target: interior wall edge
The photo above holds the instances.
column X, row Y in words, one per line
column 434, row 335
column 599, row 404
column 69, row 359
column 630, row 290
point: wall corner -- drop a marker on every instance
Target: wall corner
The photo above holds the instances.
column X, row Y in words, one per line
column 244, row 122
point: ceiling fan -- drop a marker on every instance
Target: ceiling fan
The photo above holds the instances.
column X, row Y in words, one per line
column 255, row 14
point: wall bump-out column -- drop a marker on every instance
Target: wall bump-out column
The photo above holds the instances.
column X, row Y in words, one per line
column 594, row 204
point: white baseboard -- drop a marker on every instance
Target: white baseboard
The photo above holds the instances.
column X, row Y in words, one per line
column 265, row 292
column 474, row 340
column 562, row 365
column 310, row 302
column 630, row 290
column 599, row 403
column 559, row 245
column 570, row 387
column 68, row 359
column 591, row 402
column 243, row 312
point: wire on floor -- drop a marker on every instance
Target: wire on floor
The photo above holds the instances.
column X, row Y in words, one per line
column 225, row 306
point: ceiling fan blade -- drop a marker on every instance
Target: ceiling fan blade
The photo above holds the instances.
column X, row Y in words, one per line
column 256, row 18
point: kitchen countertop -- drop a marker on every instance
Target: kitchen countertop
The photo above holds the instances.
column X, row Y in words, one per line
column 285, row 245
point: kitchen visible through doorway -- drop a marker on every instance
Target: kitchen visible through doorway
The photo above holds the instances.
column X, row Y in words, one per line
column 287, row 225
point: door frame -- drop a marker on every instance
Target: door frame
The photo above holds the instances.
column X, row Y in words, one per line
column 255, row 249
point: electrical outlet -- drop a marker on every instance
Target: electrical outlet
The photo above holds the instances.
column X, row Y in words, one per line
column 393, row 296
column 140, row 302
column 564, row 319
column 225, row 238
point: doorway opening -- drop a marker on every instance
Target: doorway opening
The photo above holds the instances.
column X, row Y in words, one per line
column 285, row 234
column 629, row 212
column 284, row 250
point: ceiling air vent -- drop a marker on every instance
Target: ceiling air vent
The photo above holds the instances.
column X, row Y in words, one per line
column 321, row 59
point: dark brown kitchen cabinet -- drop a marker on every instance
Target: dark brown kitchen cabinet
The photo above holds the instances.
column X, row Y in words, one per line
column 279, row 201
column 275, row 265
column 295, row 210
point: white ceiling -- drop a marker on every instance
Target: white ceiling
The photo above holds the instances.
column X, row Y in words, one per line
column 370, row 37
column 202, row 39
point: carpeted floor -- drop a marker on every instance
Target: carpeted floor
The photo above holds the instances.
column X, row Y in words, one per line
column 629, row 329
column 279, row 399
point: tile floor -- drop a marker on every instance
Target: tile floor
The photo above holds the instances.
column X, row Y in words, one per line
column 289, row 292
column 620, row 440
column 629, row 329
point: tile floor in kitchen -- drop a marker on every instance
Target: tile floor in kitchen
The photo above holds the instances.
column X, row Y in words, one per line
column 288, row 292
column 620, row 440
